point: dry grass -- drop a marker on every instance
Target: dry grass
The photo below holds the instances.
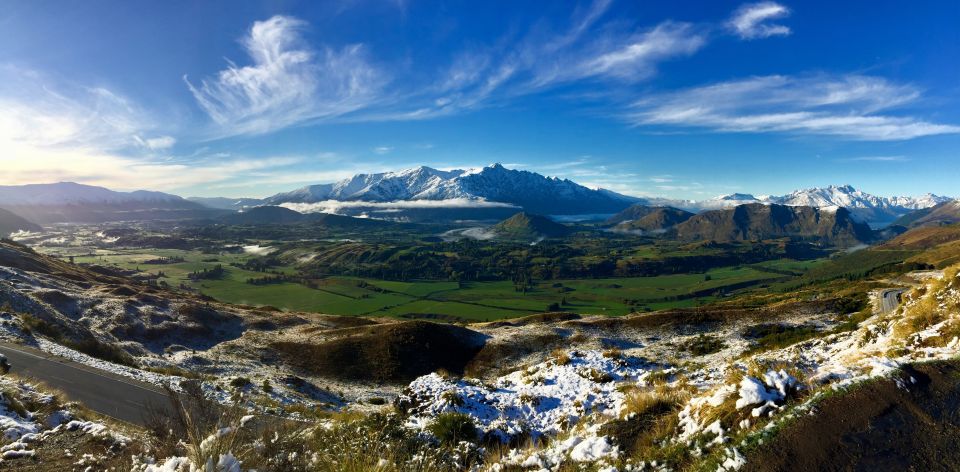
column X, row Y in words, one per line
column 560, row 357
column 929, row 305
column 613, row 353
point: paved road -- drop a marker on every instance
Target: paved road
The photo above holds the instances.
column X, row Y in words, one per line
column 890, row 299
column 103, row 392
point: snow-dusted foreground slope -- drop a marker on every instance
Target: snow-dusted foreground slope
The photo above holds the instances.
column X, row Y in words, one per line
column 571, row 399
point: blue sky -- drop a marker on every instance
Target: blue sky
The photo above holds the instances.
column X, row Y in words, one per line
column 677, row 99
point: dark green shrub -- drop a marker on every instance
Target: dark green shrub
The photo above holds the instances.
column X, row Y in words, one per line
column 239, row 382
column 451, row 428
column 703, row 345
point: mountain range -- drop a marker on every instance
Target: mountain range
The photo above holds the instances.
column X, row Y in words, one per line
column 427, row 194
column 863, row 206
column 73, row 202
column 550, row 195
column 528, row 190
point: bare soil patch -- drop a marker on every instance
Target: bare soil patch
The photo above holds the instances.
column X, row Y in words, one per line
column 877, row 426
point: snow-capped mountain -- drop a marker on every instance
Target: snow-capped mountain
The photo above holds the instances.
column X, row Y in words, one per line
column 495, row 183
column 863, row 206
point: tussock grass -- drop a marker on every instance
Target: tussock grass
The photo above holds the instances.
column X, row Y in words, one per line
column 929, row 305
column 560, row 357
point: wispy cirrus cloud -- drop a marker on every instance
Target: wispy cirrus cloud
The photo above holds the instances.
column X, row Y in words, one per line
column 288, row 82
column 638, row 58
column 37, row 110
column 588, row 49
column 848, row 106
column 752, row 20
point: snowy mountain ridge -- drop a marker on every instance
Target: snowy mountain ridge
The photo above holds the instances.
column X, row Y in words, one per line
column 529, row 190
column 864, row 206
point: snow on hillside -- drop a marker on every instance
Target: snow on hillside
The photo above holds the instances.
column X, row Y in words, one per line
column 571, row 397
column 541, row 400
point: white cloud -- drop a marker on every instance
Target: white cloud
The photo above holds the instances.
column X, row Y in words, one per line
column 615, row 52
column 845, row 106
column 36, row 111
column 382, row 149
column 288, row 83
column 52, row 132
column 752, row 20
column 639, row 57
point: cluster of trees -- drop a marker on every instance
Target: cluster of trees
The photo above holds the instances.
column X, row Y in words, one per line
column 260, row 264
column 164, row 260
column 270, row 279
column 213, row 273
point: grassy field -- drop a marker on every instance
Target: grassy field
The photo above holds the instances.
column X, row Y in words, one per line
column 475, row 301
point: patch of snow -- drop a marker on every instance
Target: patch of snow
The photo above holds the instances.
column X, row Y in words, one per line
column 544, row 399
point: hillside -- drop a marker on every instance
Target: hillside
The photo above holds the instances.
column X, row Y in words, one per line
column 527, row 226
column 658, row 219
column 757, row 221
column 936, row 245
column 945, row 213
column 77, row 203
column 689, row 388
column 633, row 212
column 11, row 222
